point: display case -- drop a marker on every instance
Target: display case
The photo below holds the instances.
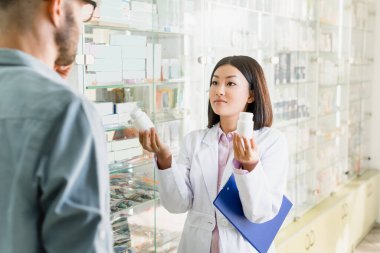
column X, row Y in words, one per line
column 158, row 55
column 132, row 56
column 360, row 80
column 316, row 56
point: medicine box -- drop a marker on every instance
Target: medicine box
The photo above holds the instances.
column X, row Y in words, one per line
column 125, row 144
column 127, row 40
column 134, row 52
column 125, row 107
column 105, row 108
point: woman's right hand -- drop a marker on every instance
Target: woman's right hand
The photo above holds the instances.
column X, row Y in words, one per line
column 150, row 142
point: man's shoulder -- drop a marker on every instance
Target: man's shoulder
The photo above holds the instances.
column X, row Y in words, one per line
column 31, row 94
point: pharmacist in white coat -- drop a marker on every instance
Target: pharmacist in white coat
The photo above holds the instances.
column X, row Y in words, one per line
column 208, row 158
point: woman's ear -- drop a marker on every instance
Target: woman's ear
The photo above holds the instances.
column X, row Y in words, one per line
column 251, row 97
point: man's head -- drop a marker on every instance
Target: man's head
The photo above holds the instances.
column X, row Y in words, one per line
column 54, row 22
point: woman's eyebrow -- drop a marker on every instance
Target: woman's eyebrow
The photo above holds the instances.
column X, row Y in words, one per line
column 226, row 76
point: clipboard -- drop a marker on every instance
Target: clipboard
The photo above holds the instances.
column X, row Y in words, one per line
column 259, row 235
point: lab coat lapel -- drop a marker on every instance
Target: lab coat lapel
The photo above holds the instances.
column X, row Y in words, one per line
column 228, row 170
column 208, row 161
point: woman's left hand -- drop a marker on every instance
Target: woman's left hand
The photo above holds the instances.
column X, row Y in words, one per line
column 246, row 154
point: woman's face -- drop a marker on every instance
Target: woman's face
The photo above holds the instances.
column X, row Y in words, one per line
column 229, row 91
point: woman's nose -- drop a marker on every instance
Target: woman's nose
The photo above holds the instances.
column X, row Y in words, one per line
column 220, row 90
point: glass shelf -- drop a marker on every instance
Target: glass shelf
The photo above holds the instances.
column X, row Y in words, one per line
column 331, row 85
column 137, row 84
column 117, row 127
column 359, row 99
column 136, row 209
column 285, row 85
column 310, row 22
column 129, row 165
column 332, row 25
column 362, row 29
column 302, row 150
column 287, row 50
column 362, row 61
column 359, row 82
column 121, row 26
column 286, row 123
column 299, row 175
column 341, row 110
column 328, row 137
column 242, row 8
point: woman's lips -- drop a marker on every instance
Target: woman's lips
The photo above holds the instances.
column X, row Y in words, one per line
column 219, row 101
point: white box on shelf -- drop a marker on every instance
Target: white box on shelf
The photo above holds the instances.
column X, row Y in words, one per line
column 109, row 146
column 165, row 63
column 124, row 118
column 110, row 136
column 125, row 107
column 127, row 40
column 141, row 20
column 105, row 65
column 104, row 108
column 112, row 119
column 114, row 11
column 100, row 36
column 175, row 69
column 128, row 153
column 134, row 52
column 125, row 144
column 103, row 51
column 109, row 76
column 143, row 7
column 134, row 74
column 134, row 64
column 90, row 79
column 110, row 157
column 153, row 64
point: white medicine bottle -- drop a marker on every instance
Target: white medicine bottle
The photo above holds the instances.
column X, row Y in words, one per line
column 141, row 120
column 245, row 125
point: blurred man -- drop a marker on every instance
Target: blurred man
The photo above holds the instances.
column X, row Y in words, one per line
column 53, row 174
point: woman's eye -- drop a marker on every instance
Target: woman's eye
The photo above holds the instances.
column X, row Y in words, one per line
column 214, row 83
column 231, row 84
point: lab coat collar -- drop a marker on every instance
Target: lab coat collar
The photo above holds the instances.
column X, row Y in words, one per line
column 211, row 135
column 208, row 160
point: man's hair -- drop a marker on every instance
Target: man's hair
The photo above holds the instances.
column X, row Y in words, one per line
column 5, row 3
column 18, row 12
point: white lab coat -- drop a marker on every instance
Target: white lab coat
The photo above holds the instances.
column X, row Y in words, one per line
column 191, row 185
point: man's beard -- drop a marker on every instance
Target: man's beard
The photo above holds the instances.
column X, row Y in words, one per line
column 66, row 39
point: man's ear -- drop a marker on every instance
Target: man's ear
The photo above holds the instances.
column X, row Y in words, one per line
column 55, row 11
column 251, row 97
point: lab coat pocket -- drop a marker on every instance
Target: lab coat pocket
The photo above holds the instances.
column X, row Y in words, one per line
column 200, row 220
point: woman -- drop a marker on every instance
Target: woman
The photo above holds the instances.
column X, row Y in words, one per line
column 208, row 157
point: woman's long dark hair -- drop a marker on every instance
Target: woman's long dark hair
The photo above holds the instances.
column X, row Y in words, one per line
column 261, row 107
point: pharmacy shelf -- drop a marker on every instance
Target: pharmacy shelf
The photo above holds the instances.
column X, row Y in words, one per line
column 138, row 208
column 112, row 25
column 128, row 166
column 136, row 84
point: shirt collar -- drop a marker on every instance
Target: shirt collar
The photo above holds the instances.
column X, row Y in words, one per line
column 228, row 135
column 13, row 57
